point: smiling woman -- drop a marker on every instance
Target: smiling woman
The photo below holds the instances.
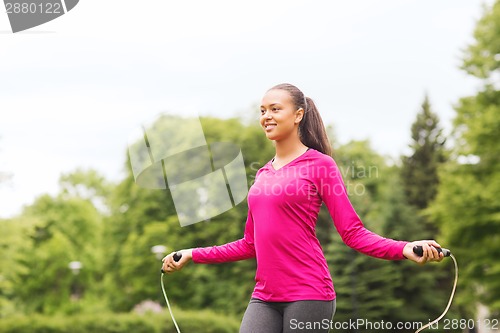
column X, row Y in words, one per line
column 285, row 99
column 293, row 281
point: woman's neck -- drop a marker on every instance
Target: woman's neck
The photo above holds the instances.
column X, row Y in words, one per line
column 289, row 148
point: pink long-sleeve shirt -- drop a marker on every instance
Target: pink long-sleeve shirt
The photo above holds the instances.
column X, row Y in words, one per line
column 283, row 207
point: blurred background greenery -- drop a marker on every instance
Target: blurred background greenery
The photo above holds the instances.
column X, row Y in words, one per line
column 446, row 189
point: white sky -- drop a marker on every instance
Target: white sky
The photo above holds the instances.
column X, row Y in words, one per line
column 73, row 89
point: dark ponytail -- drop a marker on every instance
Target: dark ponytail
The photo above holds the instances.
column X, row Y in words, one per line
column 312, row 131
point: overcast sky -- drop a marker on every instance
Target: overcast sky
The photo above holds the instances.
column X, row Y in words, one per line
column 73, row 89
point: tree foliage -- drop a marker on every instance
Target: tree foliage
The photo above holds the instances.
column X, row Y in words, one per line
column 374, row 289
column 61, row 229
column 482, row 57
column 419, row 172
column 467, row 206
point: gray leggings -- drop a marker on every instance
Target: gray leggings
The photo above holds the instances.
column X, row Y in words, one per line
column 288, row 317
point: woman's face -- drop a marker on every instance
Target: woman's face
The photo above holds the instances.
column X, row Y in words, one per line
column 278, row 116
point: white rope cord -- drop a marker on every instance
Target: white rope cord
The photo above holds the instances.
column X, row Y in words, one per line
column 449, row 302
column 168, row 304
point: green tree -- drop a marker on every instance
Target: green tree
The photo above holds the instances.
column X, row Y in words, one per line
column 419, row 171
column 425, row 287
column 467, row 206
column 59, row 230
column 12, row 244
column 481, row 57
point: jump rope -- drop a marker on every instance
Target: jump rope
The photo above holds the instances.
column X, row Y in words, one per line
column 177, row 257
column 418, row 250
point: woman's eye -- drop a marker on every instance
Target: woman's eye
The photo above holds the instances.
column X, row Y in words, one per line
column 262, row 111
column 275, row 109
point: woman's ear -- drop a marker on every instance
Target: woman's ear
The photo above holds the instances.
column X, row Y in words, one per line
column 298, row 115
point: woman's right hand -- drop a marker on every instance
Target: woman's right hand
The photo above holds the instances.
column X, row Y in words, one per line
column 429, row 252
column 170, row 265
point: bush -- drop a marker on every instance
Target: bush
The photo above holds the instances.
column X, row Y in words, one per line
column 188, row 321
column 104, row 323
column 198, row 322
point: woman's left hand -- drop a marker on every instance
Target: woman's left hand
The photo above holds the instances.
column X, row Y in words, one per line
column 429, row 251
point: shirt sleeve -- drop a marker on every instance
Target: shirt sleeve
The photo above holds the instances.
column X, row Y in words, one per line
column 238, row 250
column 333, row 192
